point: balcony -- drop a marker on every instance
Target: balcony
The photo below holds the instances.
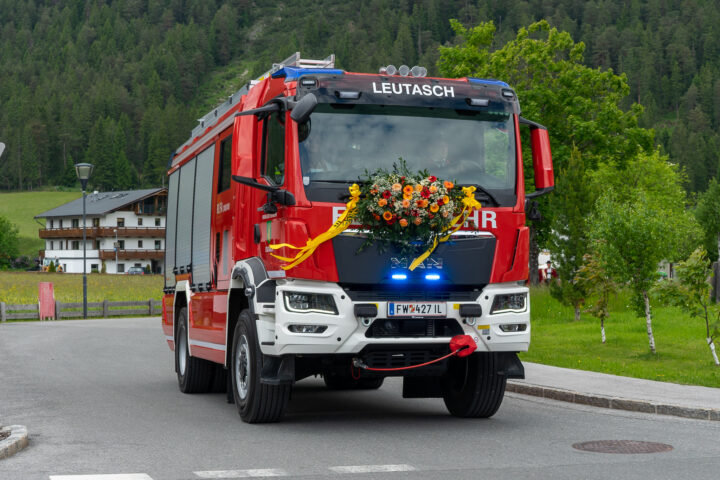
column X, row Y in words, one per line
column 132, row 254
column 102, row 232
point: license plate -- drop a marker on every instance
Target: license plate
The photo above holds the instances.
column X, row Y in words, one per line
column 416, row 309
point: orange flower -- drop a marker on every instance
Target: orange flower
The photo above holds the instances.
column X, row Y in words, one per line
column 396, row 187
column 387, row 215
column 445, row 213
column 446, row 199
column 408, row 190
column 418, row 220
column 424, row 203
column 434, row 207
column 374, row 191
column 377, row 217
column 382, row 202
column 418, row 187
column 407, row 197
column 406, row 203
column 403, row 223
column 448, row 185
column 433, row 189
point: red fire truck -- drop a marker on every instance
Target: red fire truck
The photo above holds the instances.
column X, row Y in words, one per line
column 272, row 165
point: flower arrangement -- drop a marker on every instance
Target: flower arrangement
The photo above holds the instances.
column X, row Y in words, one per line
column 408, row 210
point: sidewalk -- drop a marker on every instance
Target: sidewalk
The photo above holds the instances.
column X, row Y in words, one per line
column 622, row 393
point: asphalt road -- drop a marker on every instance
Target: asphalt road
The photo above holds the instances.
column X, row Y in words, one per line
column 101, row 397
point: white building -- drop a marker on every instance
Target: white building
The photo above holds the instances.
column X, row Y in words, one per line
column 123, row 230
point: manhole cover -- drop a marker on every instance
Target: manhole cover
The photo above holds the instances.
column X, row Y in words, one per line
column 622, row 446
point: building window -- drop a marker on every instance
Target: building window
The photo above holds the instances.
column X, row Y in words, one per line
column 139, row 222
column 157, row 222
column 158, row 245
column 60, row 223
column 120, row 268
column 75, row 223
column 94, row 268
column 120, row 222
column 96, row 222
column 121, row 244
column 75, row 245
column 140, row 244
column 138, row 264
column 52, row 245
column 52, row 222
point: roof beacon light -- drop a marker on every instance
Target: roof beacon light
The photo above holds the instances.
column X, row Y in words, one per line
column 404, row 70
column 399, row 276
column 391, row 70
column 432, row 276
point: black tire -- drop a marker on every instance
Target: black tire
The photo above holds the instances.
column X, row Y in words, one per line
column 335, row 381
column 256, row 402
column 195, row 375
column 474, row 389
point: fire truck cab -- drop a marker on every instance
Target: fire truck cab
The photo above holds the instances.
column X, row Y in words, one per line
column 272, row 165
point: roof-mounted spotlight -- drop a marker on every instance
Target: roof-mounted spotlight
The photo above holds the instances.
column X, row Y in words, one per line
column 417, row 71
column 391, row 70
column 404, row 70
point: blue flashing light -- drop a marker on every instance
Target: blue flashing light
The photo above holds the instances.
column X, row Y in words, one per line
column 399, row 276
column 488, row 82
column 432, row 276
column 293, row 73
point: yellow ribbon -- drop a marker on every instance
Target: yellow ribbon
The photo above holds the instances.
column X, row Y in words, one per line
column 312, row 244
column 469, row 204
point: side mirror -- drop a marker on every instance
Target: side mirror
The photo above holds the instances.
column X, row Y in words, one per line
column 303, row 108
column 542, row 159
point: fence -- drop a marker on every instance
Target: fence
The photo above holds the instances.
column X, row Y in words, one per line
column 74, row 310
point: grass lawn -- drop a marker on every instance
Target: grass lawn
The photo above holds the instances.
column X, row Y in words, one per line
column 20, row 208
column 22, row 287
column 682, row 354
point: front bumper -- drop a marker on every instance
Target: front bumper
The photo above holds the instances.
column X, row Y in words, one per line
column 346, row 334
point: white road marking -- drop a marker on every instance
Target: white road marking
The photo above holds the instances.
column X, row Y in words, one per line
column 119, row 476
column 252, row 473
column 373, row 468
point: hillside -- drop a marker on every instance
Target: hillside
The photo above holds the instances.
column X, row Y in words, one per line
column 120, row 83
column 20, row 208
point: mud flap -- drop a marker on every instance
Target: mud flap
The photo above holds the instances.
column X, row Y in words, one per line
column 509, row 364
column 278, row 370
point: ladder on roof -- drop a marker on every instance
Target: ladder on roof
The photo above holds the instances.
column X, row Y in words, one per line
column 294, row 60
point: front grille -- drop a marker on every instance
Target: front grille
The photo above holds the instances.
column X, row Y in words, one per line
column 398, row 359
column 384, row 294
column 413, row 328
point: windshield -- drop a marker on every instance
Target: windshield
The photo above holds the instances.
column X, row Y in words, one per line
column 342, row 142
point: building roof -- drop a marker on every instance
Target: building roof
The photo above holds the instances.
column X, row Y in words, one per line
column 99, row 203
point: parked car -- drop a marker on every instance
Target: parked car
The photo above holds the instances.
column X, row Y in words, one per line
column 135, row 271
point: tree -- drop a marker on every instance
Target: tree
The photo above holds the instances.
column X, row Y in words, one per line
column 573, row 202
column 9, row 242
column 579, row 105
column 707, row 213
column 692, row 293
column 631, row 238
column 599, row 284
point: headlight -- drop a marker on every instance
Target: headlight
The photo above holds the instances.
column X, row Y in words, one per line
column 509, row 302
column 301, row 302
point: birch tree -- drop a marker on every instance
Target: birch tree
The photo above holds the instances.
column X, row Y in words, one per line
column 691, row 291
column 600, row 287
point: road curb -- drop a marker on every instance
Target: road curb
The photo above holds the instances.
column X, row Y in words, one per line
column 17, row 440
column 615, row 403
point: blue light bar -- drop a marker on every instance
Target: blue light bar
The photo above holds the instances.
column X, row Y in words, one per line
column 432, row 276
column 293, row 73
column 487, row 81
column 399, row 276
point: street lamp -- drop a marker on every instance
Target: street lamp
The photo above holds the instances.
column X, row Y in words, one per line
column 84, row 170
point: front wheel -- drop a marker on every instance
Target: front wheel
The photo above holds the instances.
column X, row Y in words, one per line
column 474, row 388
column 256, row 402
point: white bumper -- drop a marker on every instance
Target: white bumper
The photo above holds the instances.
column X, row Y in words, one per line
column 346, row 335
